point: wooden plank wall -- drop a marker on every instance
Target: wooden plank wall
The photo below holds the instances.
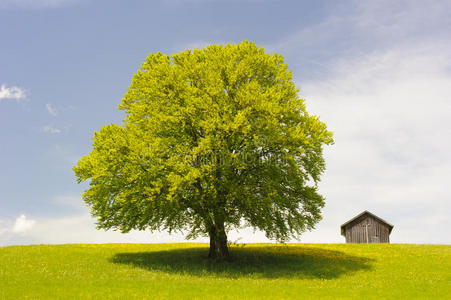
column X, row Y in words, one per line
column 356, row 232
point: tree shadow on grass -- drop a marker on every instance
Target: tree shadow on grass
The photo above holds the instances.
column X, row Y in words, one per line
column 251, row 261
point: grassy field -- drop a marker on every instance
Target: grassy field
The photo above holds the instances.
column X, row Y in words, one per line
column 124, row 271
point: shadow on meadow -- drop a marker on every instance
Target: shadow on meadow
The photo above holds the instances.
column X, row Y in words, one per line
column 253, row 261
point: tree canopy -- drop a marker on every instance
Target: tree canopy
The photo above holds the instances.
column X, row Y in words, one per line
column 213, row 139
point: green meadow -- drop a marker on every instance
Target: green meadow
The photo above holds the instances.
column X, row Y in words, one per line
column 181, row 271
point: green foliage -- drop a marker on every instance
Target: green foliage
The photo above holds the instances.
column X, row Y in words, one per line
column 215, row 136
column 257, row 271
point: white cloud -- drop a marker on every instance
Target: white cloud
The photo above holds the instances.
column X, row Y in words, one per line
column 380, row 78
column 81, row 229
column 12, row 92
column 50, row 129
column 51, row 110
column 390, row 112
column 23, row 224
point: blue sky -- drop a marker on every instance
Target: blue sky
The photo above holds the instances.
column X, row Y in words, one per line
column 377, row 72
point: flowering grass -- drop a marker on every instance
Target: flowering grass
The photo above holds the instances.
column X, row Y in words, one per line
column 161, row 271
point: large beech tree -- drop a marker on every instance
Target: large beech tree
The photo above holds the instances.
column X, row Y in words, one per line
column 214, row 138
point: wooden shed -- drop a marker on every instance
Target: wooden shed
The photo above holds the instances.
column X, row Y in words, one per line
column 366, row 228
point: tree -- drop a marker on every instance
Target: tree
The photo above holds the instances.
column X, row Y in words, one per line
column 214, row 139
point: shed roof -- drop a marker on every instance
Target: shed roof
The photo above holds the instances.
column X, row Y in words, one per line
column 390, row 226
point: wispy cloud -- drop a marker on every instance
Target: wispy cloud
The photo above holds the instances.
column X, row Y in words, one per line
column 50, row 129
column 51, row 110
column 23, row 224
column 379, row 77
column 388, row 110
column 12, row 92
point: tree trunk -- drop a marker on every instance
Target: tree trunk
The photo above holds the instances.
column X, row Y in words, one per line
column 218, row 242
